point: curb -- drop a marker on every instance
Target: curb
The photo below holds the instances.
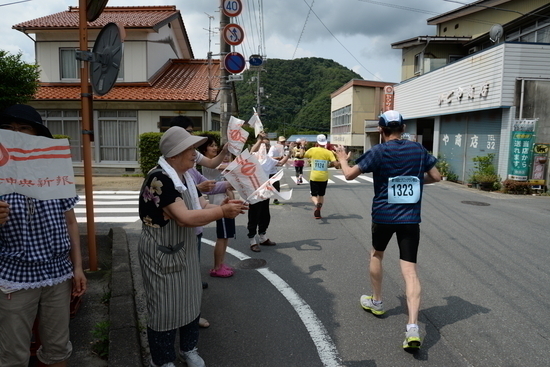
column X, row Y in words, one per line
column 124, row 342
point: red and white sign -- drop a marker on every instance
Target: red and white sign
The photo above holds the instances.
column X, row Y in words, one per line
column 236, row 135
column 232, row 8
column 36, row 166
column 233, row 34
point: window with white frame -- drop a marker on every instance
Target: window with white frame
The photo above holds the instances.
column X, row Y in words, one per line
column 418, row 63
column 66, row 123
column 341, row 116
column 118, row 136
column 70, row 66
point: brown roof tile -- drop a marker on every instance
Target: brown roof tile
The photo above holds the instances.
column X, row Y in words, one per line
column 128, row 16
column 180, row 80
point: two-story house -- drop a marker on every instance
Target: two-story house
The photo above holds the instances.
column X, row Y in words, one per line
column 482, row 76
column 159, row 78
column 355, row 108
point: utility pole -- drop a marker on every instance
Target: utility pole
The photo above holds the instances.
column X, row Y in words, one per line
column 225, row 97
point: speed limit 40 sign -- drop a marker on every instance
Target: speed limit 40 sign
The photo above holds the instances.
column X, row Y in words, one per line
column 232, row 8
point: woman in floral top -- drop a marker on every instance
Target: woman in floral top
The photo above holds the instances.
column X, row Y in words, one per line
column 170, row 207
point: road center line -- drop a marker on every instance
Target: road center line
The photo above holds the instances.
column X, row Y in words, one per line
column 319, row 335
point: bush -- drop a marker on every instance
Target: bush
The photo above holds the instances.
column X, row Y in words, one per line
column 517, row 187
column 149, row 151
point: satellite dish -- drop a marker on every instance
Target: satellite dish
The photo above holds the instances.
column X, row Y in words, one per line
column 106, row 58
column 94, row 8
column 495, row 33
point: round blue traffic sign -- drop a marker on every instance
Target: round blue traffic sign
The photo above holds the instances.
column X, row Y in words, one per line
column 255, row 60
column 234, row 62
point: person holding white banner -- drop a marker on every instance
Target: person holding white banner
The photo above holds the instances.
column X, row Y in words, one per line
column 40, row 264
column 170, row 207
column 259, row 216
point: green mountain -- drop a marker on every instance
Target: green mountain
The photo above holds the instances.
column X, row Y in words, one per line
column 296, row 93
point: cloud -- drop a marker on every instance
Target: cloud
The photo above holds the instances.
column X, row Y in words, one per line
column 355, row 33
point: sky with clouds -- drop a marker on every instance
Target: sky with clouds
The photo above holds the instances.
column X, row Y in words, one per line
column 355, row 33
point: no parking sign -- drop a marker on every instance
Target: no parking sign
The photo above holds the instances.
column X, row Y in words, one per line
column 234, row 62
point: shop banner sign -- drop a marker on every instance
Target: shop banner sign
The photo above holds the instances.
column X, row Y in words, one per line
column 521, row 149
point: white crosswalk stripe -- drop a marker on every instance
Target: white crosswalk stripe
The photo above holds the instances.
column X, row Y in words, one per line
column 122, row 206
column 338, row 179
column 110, row 207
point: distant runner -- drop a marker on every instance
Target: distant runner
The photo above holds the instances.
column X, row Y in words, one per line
column 321, row 160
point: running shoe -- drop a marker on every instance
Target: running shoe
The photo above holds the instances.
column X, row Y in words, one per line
column 317, row 213
column 368, row 304
column 412, row 339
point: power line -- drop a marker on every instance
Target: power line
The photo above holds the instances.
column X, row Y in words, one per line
column 337, row 40
column 303, row 29
column 400, row 7
column 15, row 2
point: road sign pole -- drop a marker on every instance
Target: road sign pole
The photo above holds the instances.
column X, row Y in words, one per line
column 225, row 97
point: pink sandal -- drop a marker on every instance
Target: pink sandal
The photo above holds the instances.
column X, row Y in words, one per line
column 222, row 272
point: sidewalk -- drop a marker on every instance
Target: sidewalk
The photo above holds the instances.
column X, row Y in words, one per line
column 110, row 293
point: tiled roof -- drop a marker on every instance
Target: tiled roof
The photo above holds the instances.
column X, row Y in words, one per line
column 180, row 80
column 128, row 16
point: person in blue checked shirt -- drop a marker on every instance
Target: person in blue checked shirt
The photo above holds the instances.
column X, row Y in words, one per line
column 40, row 264
column 400, row 168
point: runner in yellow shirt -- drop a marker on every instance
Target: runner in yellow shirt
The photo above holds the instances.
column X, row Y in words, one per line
column 321, row 159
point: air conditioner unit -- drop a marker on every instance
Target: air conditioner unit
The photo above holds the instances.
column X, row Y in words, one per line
column 473, row 50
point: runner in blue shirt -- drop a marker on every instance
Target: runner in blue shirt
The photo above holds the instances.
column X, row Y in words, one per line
column 400, row 168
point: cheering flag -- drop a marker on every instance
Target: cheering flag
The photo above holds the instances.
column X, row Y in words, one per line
column 35, row 166
column 245, row 174
column 236, row 135
column 256, row 123
column 267, row 190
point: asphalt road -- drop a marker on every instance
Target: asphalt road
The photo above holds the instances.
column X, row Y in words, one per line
column 483, row 266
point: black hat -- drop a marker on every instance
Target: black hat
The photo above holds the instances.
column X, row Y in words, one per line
column 25, row 114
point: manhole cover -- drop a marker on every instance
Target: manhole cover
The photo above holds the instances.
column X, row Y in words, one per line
column 477, row 203
column 252, row 264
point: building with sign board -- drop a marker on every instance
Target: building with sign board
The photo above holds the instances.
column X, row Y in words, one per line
column 355, row 108
column 469, row 87
column 159, row 78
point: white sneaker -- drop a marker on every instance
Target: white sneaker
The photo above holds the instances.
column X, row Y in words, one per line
column 192, row 358
column 169, row 364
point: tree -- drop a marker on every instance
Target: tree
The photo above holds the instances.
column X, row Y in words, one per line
column 18, row 80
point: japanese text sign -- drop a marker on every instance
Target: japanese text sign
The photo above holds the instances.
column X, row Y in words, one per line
column 35, row 166
column 521, row 150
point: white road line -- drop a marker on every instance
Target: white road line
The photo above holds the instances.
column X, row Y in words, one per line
column 304, row 181
column 366, row 178
column 120, row 219
column 126, row 202
column 343, row 178
column 108, row 210
column 107, row 196
column 319, row 335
